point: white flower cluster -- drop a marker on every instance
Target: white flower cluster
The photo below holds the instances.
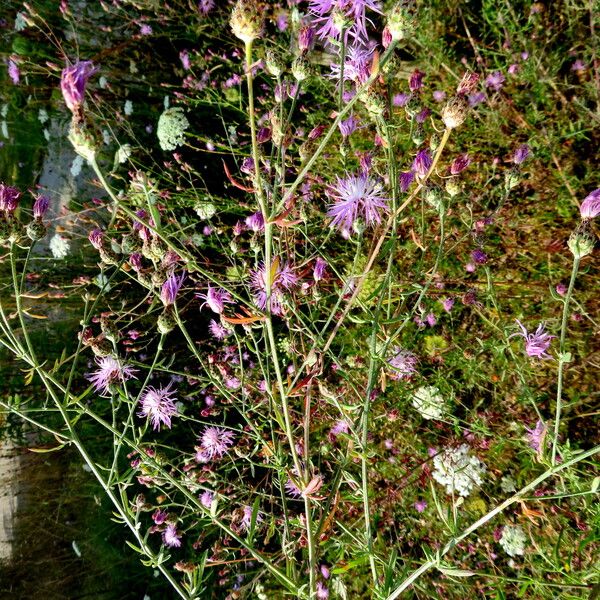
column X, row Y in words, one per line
column 429, row 402
column 457, row 470
column 172, row 125
column 59, row 246
column 513, row 540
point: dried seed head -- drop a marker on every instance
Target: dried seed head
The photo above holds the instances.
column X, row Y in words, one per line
column 455, row 112
column 246, row 21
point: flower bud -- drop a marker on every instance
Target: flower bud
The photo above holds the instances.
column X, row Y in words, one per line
column 301, row 69
column 582, row 240
column 246, row 21
column 455, row 112
column 36, row 230
column 511, row 179
column 452, row 186
column 84, row 142
column 274, row 63
column 400, row 24
column 166, row 321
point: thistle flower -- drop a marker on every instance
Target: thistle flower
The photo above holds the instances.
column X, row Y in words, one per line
column 415, row 81
column 218, row 330
column 459, row 164
column 467, row 84
column 356, row 197
column 319, row 269
column 9, row 198
column 590, row 207
column 170, row 289
column 536, row 343
column 246, row 21
column 406, row 178
column 214, row 443
column 171, row 537
column 306, row 38
column 110, row 372
column 348, row 126
column 246, row 520
column 215, row 298
column 159, row 405
column 205, row 6
column 357, row 64
column 403, row 364
column 521, row 154
column 422, row 163
column 283, row 279
column 40, row 207
column 255, row 222
column 206, row 498
column 322, row 591
column 495, row 81
column 73, row 82
column 96, row 238
column 537, row 436
column 335, row 16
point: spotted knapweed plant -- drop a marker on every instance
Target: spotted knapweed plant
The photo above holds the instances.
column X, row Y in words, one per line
column 275, row 363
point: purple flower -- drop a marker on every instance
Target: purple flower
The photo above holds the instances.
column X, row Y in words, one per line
column 214, row 443
column 422, row 115
column 439, row 95
column 283, row 279
column 9, row 198
column 96, row 238
column 400, row 99
column 40, row 207
column 477, row 98
column 406, row 178
column 319, row 269
column 292, row 489
column 13, row 71
column 205, row 6
column 110, row 372
column 578, row 65
column 537, row 436
column 247, row 518
column 170, row 288
column 206, row 499
column 159, row 516
column 357, row 65
column 331, row 14
column 159, row 405
column 521, row 154
column 171, row 537
column 306, row 38
column 448, row 303
column 403, row 364
column 145, row 29
column 184, row 57
column 215, row 298
column 348, row 126
column 415, row 81
column 495, row 81
column 467, row 83
column 255, row 222
column 590, row 207
column 73, row 81
column 459, row 164
column 479, row 256
column 422, row 163
column 536, row 343
column 420, row 505
column 322, row 591
column 356, row 197
column 218, row 330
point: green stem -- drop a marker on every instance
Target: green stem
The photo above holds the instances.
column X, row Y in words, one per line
column 562, row 359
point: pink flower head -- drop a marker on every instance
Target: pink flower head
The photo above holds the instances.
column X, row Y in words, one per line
column 415, row 82
column 537, row 436
column 9, row 198
column 13, row 71
column 170, row 288
column 322, row 591
column 521, row 154
column 536, row 343
column 439, row 95
column 403, row 364
column 356, row 197
column 330, row 14
column 319, row 269
column 348, row 126
column 306, row 38
column 590, row 207
column 255, row 222
column 283, row 279
column 247, row 518
column 96, row 238
column 171, row 537
column 206, row 498
column 40, row 207
column 459, row 164
column 422, row 163
column 467, row 84
column 159, row 405
column 215, row 298
column 73, row 81
column 406, row 178
column 110, row 372
column 495, row 81
column 214, row 443
column 218, row 330
column 357, row 65
column 205, row 6
column 420, row 505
